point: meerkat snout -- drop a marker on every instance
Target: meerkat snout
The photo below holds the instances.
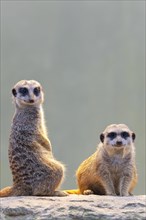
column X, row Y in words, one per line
column 119, row 143
column 31, row 101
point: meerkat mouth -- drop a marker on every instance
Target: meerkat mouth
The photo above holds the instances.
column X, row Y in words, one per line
column 118, row 145
column 30, row 102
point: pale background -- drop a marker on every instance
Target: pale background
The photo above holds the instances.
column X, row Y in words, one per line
column 90, row 58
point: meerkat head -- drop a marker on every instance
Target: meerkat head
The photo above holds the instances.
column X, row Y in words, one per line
column 117, row 136
column 28, row 93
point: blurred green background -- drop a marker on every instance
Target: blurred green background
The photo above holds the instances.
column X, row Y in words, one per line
column 89, row 57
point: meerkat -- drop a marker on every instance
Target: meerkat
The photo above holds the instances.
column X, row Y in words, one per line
column 35, row 170
column 111, row 170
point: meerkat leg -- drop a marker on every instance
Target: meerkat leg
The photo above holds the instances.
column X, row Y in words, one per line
column 45, row 187
column 48, row 192
column 21, row 190
column 124, row 186
column 108, row 184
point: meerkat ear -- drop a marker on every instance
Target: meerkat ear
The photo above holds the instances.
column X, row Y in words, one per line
column 102, row 137
column 14, row 92
column 133, row 136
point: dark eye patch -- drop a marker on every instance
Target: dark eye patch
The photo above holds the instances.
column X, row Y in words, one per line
column 125, row 134
column 112, row 135
column 36, row 91
column 23, row 91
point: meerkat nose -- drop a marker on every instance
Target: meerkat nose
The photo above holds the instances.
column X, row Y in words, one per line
column 31, row 101
column 119, row 143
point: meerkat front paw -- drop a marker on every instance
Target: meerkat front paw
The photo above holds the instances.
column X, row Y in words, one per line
column 111, row 194
column 124, row 194
column 60, row 193
column 88, row 192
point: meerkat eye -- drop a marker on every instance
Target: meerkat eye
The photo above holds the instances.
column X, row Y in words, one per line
column 36, row 91
column 125, row 134
column 112, row 135
column 23, row 91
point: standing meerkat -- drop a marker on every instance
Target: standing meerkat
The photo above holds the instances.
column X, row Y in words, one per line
column 34, row 169
column 111, row 170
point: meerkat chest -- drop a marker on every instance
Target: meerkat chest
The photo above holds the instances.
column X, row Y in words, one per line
column 117, row 164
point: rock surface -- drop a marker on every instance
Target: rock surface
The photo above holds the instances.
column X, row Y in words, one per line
column 74, row 207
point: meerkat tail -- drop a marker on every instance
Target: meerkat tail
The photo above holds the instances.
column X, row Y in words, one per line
column 73, row 191
column 8, row 191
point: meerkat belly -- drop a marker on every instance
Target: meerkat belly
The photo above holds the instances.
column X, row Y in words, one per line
column 115, row 167
column 115, row 175
column 116, row 170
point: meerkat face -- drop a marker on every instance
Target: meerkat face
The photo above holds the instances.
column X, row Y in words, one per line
column 28, row 92
column 117, row 136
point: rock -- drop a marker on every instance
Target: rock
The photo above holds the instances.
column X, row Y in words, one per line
column 74, row 207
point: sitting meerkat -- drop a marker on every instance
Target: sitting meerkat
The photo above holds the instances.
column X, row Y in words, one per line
column 35, row 171
column 111, row 170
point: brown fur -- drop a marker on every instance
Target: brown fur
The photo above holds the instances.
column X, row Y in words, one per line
column 111, row 170
column 35, row 171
